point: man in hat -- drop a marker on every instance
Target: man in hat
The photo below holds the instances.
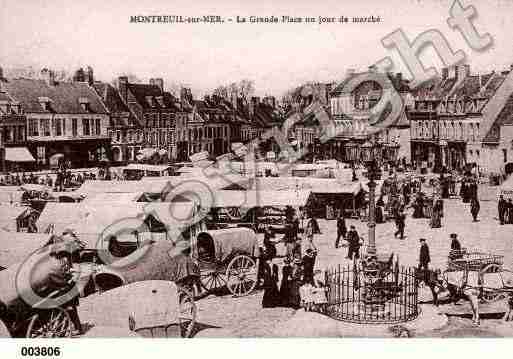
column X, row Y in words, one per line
column 354, row 243
column 341, row 228
column 455, row 252
column 186, row 271
column 62, row 276
column 424, row 257
column 308, row 266
column 501, row 206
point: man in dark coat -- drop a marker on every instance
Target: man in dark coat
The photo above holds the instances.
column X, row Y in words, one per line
column 341, row 228
column 509, row 211
column 400, row 224
column 354, row 243
column 501, row 206
column 424, row 257
column 308, row 266
column 474, row 208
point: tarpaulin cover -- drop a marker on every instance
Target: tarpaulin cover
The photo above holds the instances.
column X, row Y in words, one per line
column 156, row 260
column 18, row 154
column 16, row 247
column 153, row 303
column 231, row 241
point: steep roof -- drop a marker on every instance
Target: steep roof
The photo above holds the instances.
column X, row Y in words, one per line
column 65, row 97
column 342, row 89
column 110, row 97
column 151, row 97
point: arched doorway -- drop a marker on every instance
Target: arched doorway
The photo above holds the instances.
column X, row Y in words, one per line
column 116, row 154
column 508, row 168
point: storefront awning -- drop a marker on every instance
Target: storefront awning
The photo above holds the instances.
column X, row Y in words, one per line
column 18, row 154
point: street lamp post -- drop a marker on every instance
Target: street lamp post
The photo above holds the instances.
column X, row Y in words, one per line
column 371, row 156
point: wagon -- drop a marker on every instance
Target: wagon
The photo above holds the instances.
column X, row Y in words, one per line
column 476, row 269
column 228, row 257
column 44, row 318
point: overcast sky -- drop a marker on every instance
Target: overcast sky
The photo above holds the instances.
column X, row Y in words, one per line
column 65, row 34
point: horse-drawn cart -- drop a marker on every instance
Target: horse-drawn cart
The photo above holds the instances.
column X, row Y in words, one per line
column 28, row 299
column 479, row 270
column 228, row 257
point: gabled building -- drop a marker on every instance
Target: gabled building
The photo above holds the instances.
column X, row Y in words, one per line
column 64, row 120
column 350, row 113
column 156, row 110
column 125, row 131
column 13, row 131
column 448, row 117
column 212, row 125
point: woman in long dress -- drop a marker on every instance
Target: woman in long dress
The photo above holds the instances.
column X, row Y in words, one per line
column 295, row 284
column 436, row 215
column 271, row 294
column 285, row 284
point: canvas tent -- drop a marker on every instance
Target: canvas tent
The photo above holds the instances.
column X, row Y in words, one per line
column 13, row 218
column 91, row 222
column 56, row 217
column 16, row 247
column 250, row 199
column 327, row 192
column 10, row 195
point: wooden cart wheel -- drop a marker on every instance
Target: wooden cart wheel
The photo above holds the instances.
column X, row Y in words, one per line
column 212, row 280
column 490, row 295
column 242, row 275
column 54, row 323
column 187, row 316
column 233, row 213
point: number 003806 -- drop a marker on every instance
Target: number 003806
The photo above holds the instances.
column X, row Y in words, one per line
column 40, row 351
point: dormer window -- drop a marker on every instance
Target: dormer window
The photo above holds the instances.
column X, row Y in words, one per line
column 160, row 101
column 150, row 101
column 45, row 103
column 84, row 103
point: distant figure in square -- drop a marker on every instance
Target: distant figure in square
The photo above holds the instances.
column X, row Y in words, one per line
column 424, row 257
column 354, row 243
column 341, row 228
column 474, row 208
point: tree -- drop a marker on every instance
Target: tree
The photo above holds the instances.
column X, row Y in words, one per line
column 222, row 92
column 246, row 88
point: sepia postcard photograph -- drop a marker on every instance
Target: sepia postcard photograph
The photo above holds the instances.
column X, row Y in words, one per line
column 261, row 169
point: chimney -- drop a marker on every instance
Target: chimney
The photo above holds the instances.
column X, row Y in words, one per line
column 240, row 103
column 445, row 73
column 252, row 104
column 123, row 87
column 186, row 95
column 48, row 76
column 233, row 100
column 160, row 83
column 89, row 76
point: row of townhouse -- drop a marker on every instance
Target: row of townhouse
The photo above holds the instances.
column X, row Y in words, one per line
column 86, row 121
column 51, row 119
column 451, row 122
column 350, row 112
column 462, row 119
